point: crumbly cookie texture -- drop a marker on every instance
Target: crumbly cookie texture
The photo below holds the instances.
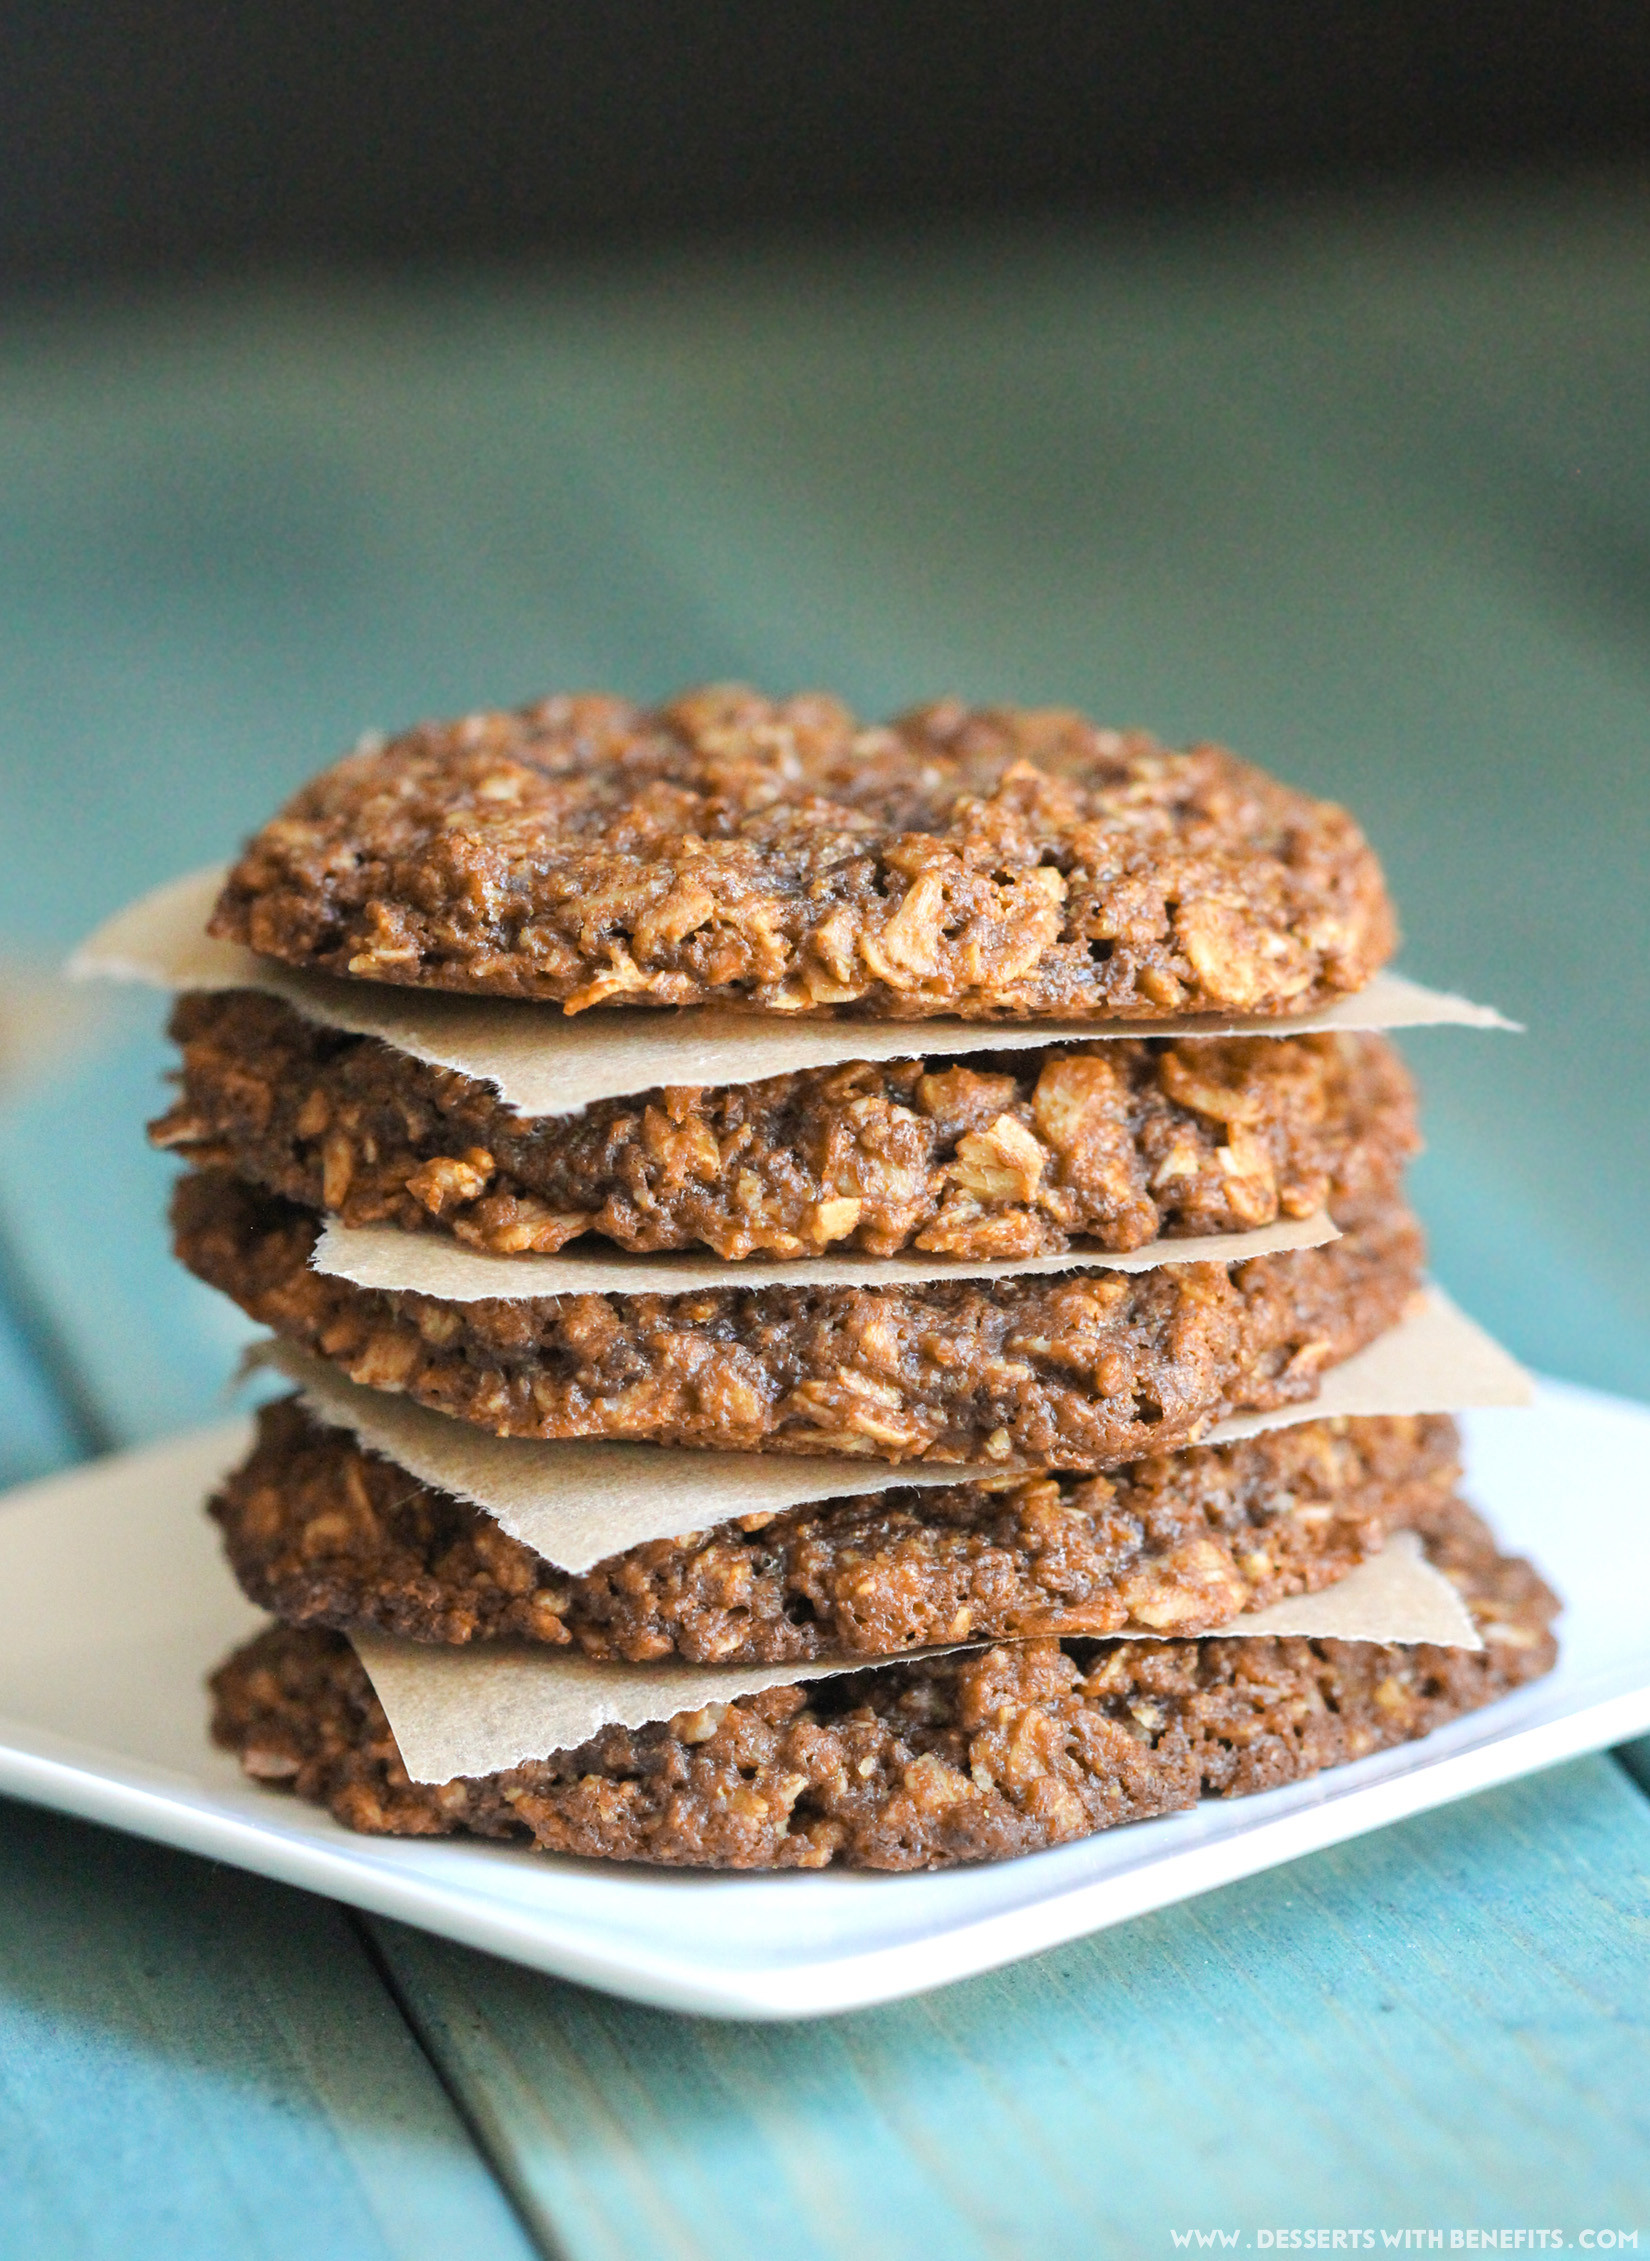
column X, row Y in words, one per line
column 908, row 1766
column 1006, row 1155
column 1081, row 1371
column 321, row 1532
column 783, row 855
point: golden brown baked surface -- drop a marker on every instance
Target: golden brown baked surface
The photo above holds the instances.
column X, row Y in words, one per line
column 1082, row 1370
column 909, row 1766
column 322, row 1532
column 1001, row 1155
column 783, row 855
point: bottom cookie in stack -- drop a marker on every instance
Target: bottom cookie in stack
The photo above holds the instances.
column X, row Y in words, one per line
column 970, row 1755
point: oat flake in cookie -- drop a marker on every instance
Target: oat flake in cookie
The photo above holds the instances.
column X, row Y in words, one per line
column 909, row 1766
column 1078, row 1371
column 322, row 1532
column 781, row 854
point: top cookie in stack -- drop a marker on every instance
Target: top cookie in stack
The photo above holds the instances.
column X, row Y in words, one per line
column 785, row 857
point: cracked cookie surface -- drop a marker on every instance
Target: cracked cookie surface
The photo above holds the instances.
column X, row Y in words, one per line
column 785, row 856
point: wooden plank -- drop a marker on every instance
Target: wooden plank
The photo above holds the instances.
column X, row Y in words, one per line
column 1431, row 2026
column 193, row 2061
column 198, row 2064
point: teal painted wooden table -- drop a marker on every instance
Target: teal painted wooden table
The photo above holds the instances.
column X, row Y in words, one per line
column 1366, row 491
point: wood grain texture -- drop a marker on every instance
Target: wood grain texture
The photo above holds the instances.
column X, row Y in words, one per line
column 1433, row 2025
column 194, row 2063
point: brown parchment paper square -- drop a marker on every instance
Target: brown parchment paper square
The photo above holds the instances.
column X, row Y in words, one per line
column 396, row 1262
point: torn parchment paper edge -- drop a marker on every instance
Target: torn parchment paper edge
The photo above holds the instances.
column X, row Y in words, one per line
column 486, row 1707
column 542, row 1061
column 401, row 1263
column 577, row 1503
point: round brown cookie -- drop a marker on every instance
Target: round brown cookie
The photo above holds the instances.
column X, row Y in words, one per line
column 1002, row 1155
column 909, row 1766
column 1078, row 1371
column 322, row 1532
column 783, row 855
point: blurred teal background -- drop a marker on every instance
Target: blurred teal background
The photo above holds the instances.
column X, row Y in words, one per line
column 1362, row 488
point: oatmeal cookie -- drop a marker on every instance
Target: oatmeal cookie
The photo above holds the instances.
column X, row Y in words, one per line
column 322, row 1532
column 1081, row 1370
column 909, row 1766
column 1002, row 1155
column 782, row 855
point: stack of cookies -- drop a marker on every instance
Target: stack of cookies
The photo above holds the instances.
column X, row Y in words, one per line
column 840, row 1283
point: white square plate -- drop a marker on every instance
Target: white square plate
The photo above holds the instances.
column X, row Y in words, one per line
column 117, row 1603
